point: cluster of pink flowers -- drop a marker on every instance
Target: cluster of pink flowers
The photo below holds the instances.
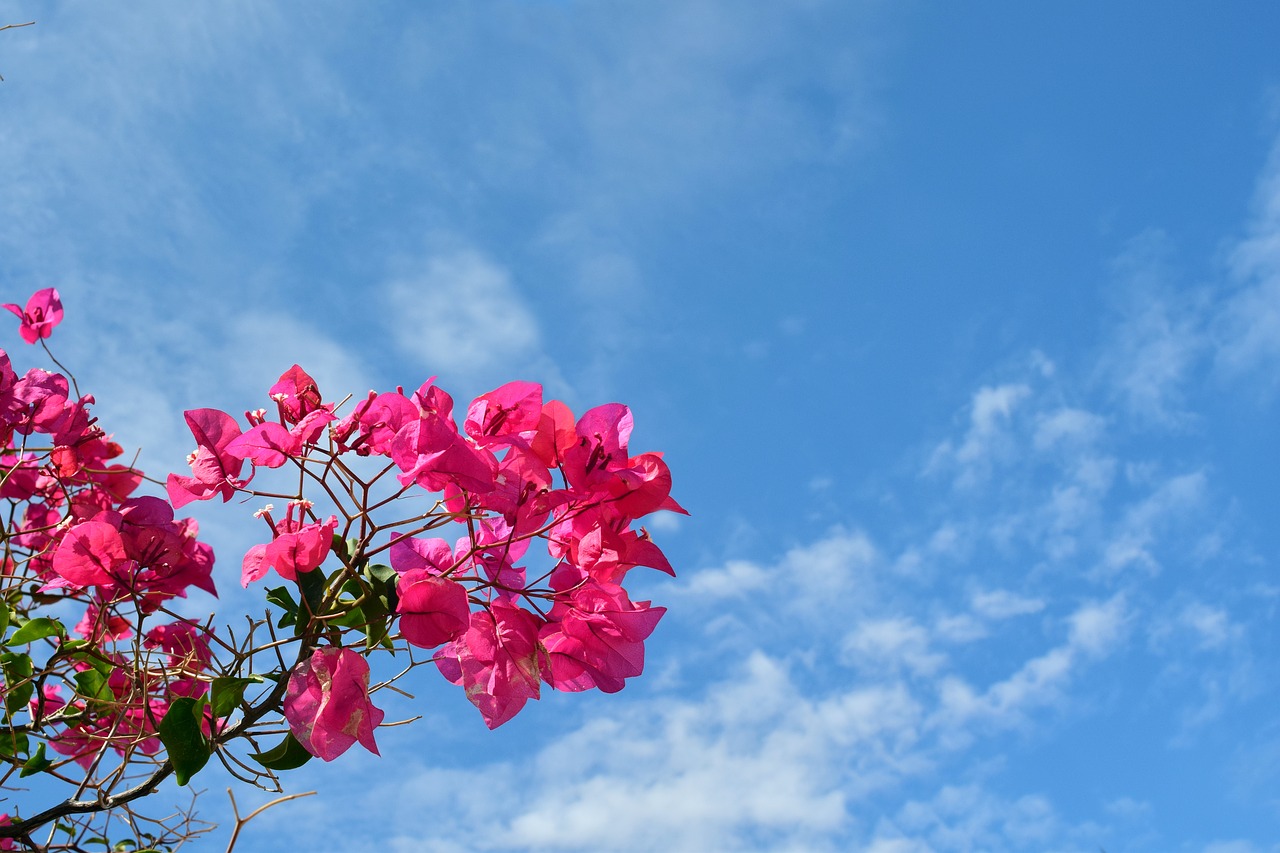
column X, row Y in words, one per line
column 81, row 536
column 520, row 470
column 512, row 578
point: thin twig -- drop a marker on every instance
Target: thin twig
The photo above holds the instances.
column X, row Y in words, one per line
column 241, row 821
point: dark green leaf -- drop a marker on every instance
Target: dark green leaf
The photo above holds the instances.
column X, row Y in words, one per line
column 286, row 755
column 227, row 693
column 281, row 597
column 379, row 572
column 182, row 738
column 353, row 548
column 13, row 743
column 17, row 675
column 37, row 629
column 92, row 686
column 4, row 617
column 95, row 661
column 353, row 618
column 375, row 614
column 35, row 763
column 312, row 585
column 384, row 579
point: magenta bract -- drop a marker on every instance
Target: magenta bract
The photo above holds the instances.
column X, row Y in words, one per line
column 43, row 312
column 327, row 703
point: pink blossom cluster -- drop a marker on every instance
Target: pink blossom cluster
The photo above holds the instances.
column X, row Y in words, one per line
column 80, row 536
column 508, row 532
column 503, row 617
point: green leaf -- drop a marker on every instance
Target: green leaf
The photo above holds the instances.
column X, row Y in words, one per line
column 312, row 585
column 353, row 548
column 281, row 597
column 379, row 572
column 375, row 614
column 17, row 674
column 353, row 618
column 340, row 547
column 4, row 617
column 92, row 685
column 227, row 693
column 182, row 738
column 286, row 755
column 37, row 629
column 36, row 763
column 13, row 743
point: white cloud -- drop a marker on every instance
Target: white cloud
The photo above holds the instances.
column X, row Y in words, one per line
column 735, row 579
column 1132, row 542
column 1211, row 625
column 1235, row 846
column 1157, row 337
column 986, row 441
column 1248, row 326
column 457, row 313
column 756, row 760
column 967, row 817
column 1097, row 627
column 807, row 577
column 1067, row 426
column 1002, row 604
column 891, row 644
column 1094, row 630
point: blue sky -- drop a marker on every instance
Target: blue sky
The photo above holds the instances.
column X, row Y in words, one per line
column 959, row 327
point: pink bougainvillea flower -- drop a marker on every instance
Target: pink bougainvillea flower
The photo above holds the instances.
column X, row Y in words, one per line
column 184, row 642
column 270, row 444
column 43, row 312
column 431, row 399
column 327, row 703
column 90, row 554
column 214, row 470
column 496, row 661
column 297, row 547
column 507, row 415
column 595, row 638
column 37, row 402
column 7, row 843
column 431, row 453
column 103, row 627
column 296, row 393
column 642, row 486
column 601, row 543
column 555, row 434
column 433, row 610
column 374, row 423
column 410, row 552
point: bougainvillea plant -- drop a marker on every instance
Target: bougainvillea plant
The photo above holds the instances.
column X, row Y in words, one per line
column 496, row 552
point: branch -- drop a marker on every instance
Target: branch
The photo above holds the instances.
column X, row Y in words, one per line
column 241, row 821
column 14, row 27
column 72, row 806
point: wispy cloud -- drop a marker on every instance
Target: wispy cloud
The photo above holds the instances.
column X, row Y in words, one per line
column 1158, row 335
column 986, row 441
column 457, row 313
